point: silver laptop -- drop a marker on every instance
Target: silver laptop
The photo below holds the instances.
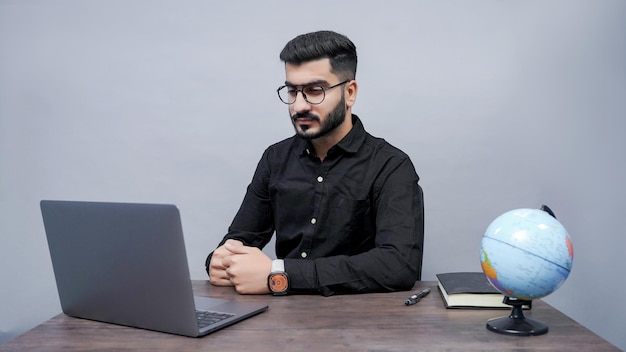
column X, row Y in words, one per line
column 126, row 264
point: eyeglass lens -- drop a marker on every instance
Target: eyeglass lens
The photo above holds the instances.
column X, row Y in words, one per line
column 312, row 94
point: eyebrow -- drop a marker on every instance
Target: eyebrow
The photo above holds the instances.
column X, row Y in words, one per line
column 312, row 83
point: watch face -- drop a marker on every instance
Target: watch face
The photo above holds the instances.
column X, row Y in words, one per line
column 279, row 282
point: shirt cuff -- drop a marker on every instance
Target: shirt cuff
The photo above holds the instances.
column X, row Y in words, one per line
column 302, row 275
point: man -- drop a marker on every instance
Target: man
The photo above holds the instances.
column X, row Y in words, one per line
column 346, row 206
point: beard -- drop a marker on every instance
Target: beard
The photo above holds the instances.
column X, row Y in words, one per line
column 335, row 118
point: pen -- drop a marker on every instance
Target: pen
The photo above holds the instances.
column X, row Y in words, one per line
column 416, row 297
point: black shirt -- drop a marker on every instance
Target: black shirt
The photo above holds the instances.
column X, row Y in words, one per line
column 352, row 223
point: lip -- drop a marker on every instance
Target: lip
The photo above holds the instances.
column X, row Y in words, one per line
column 304, row 121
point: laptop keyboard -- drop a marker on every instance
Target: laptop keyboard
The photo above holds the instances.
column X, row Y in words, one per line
column 206, row 318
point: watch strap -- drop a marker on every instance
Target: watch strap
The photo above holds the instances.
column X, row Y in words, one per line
column 278, row 265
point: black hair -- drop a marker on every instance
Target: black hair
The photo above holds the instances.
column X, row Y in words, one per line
column 323, row 44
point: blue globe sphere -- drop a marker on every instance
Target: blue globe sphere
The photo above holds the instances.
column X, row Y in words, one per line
column 526, row 254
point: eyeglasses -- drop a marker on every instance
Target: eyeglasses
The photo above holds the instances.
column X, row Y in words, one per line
column 312, row 94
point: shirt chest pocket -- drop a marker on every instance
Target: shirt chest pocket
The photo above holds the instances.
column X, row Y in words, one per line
column 348, row 217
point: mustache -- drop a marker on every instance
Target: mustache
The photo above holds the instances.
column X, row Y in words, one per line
column 304, row 115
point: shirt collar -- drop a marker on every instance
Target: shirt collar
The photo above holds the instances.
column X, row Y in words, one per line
column 349, row 144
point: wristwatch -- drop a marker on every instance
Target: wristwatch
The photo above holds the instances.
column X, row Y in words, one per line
column 278, row 280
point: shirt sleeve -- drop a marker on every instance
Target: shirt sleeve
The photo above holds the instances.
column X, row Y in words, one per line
column 254, row 222
column 395, row 261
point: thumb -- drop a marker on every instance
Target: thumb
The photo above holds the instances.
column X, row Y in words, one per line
column 235, row 247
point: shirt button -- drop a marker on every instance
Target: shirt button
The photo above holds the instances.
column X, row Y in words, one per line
column 303, row 254
column 320, row 179
column 313, row 221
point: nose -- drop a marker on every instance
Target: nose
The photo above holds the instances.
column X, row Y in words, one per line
column 300, row 105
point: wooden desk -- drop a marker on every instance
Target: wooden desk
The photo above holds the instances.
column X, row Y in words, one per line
column 350, row 322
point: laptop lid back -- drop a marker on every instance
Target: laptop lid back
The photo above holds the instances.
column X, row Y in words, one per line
column 121, row 263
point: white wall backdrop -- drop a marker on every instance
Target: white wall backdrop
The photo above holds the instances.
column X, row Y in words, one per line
column 500, row 105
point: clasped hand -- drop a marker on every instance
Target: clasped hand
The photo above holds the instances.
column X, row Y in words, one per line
column 246, row 268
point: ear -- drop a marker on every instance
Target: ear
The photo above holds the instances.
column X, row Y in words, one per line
column 351, row 91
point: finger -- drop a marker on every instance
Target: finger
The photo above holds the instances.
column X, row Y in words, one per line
column 220, row 282
column 219, row 277
column 236, row 247
column 233, row 242
column 223, row 249
column 218, row 274
column 233, row 245
column 227, row 261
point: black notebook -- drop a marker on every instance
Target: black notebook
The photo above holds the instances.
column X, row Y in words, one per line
column 470, row 290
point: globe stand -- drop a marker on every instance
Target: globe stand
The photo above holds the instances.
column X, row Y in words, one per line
column 516, row 323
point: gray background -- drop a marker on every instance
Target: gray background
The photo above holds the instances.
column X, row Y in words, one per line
column 500, row 104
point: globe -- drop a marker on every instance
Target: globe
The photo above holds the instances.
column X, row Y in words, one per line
column 526, row 254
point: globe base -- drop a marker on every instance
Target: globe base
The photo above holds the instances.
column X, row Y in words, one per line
column 516, row 324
